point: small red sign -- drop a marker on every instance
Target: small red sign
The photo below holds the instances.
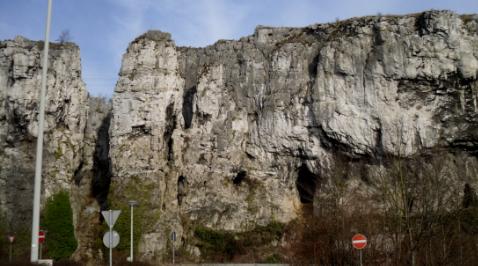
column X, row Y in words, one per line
column 41, row 236
column 11, row 238
column 359, row 241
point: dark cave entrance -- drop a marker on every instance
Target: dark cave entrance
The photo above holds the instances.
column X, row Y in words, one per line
column 188, row 106
column 239, row 177
column 168, row 130
column 306, row 184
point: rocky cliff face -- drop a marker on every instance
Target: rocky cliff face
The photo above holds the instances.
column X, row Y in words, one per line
column 89, row 188
column 76, row 142
column 65, row 121
column 225, row 135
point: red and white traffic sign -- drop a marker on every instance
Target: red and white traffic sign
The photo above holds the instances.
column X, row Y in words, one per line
column 11, row 238
column 359, row 241
column 41, row 236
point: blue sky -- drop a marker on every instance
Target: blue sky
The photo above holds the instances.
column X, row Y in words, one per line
column 103, row 28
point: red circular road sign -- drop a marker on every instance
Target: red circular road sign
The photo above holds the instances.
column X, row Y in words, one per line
column 359, row 241
column 41, row 236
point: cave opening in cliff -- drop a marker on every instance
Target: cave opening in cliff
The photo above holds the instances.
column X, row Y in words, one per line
column 168, row 129
column 306, row 184
column 188, row 106
column 239, row 177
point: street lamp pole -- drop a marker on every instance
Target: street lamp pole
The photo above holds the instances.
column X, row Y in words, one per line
column 132, row 203
column 38, row 163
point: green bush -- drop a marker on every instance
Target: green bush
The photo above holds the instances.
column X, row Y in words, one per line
column 274, row 258
column 215, row 239
column 231, row 244
column 58, row 220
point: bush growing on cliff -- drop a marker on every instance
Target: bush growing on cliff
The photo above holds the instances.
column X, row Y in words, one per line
column 227, row 246
column 58, row 220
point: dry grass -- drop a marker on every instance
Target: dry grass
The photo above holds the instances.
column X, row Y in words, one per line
column 154, row 36
column 466, row 18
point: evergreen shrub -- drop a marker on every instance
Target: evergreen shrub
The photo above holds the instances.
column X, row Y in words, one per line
column 58, row 220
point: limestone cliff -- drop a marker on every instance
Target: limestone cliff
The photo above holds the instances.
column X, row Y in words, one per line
column 66, row 109
column 222, row 135
column 225, row 136
column 76, row 142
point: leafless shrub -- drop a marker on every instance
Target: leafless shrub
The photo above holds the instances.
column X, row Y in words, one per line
column 64, row 36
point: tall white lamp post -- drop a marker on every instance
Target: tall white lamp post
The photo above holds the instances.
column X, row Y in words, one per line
column 38, row 162
column 132, row 203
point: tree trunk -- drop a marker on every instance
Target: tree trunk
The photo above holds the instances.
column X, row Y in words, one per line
column 412, row 248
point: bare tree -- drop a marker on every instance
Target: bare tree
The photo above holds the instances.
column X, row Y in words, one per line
column 64, row 36
column 419, row 193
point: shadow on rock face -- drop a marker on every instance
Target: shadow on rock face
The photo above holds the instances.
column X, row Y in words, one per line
column 102, row 164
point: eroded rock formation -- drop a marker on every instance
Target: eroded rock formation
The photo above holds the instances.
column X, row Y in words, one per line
column 225, row 136
column 76, row 142
column 196, row 123
column 66, row 111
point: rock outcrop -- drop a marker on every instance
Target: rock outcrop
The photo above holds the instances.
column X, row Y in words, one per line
column 224, row 135
column 76, row 141
column 228, row 136
column 66, row 111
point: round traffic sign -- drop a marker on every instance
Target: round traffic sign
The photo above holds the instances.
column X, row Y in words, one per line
column 115, row 239
column 359, row 241
column 41, row 236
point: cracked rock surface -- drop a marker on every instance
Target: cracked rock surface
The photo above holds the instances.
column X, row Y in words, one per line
column 224, row 136
column 224, row 132
column 66, row 110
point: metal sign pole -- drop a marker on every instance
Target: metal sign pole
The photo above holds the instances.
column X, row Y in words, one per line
column 360, row 257
column 173, row 238
column 111, row 241
column 41, row 249
column 10, row 258
column 132, row 203
column 131, row 246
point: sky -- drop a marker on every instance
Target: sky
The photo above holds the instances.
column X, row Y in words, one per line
column 104, row 28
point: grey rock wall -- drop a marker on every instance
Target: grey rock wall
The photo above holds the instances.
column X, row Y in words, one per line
column 66, row 110
column 225, row 136
column 224, row 133
column 91, row 180
column 76, row 140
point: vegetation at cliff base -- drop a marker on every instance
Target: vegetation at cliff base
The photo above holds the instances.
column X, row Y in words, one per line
column 274, row 258
column 143, row 218
column 232, row 245
column 58, row 221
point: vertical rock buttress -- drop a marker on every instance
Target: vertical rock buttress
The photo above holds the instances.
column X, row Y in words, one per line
column 66, row 112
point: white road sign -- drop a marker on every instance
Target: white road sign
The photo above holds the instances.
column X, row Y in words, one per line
column 114, row 217
column 106, row 239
